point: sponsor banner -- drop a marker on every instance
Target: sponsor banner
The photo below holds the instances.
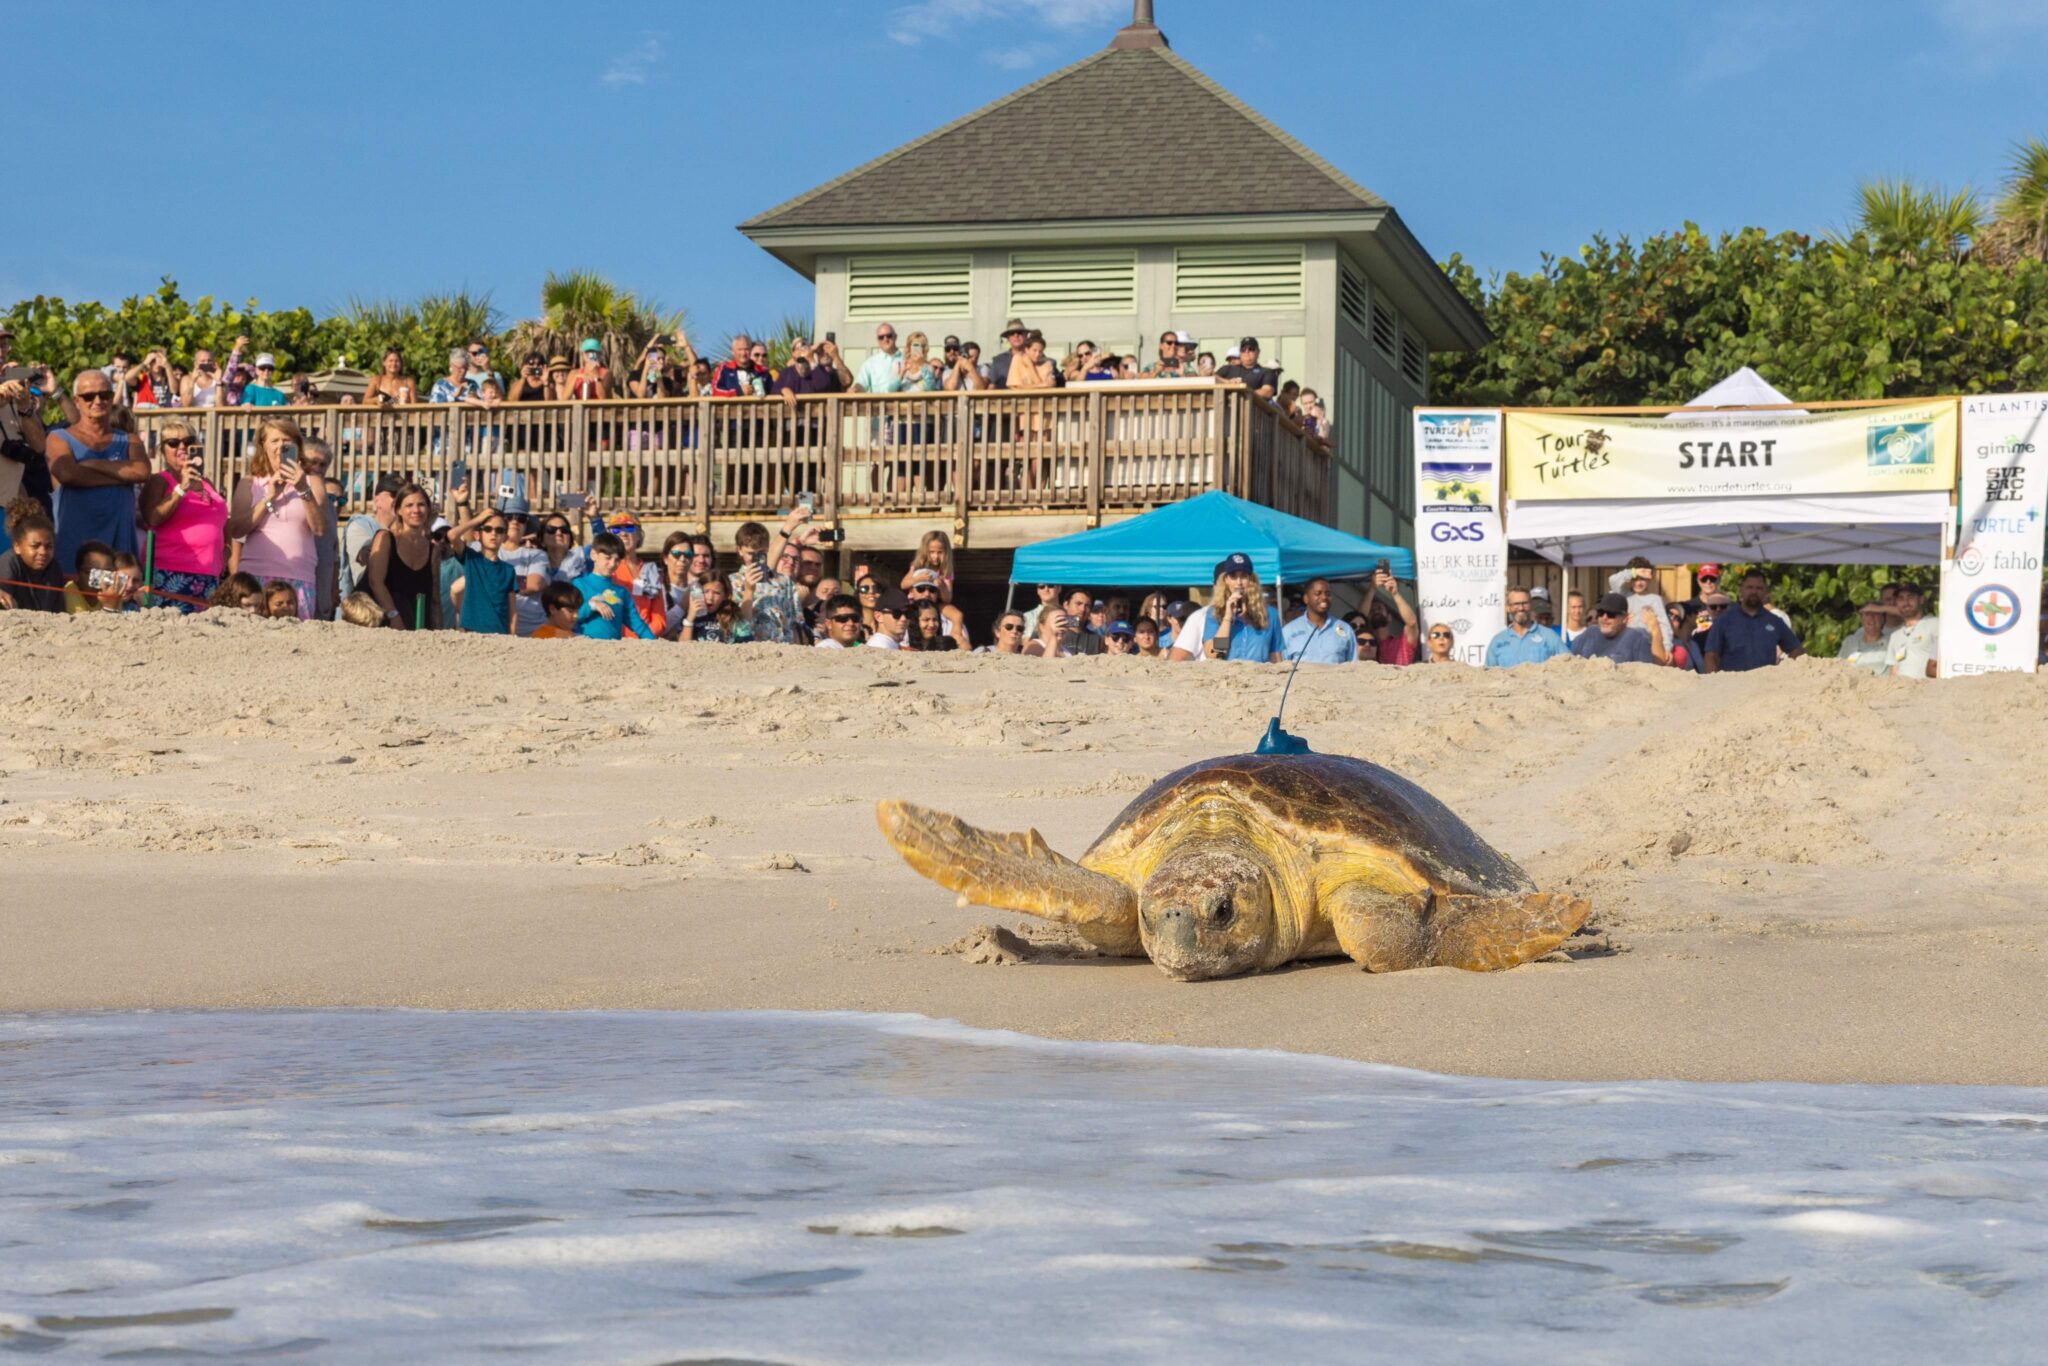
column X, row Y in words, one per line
column 1991, row 586
column 1461, row 552
column 1904, row 448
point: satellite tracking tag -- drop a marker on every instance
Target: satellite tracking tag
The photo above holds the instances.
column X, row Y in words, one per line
column 1276, row 740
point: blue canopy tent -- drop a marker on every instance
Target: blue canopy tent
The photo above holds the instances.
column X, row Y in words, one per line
column 1182, row 542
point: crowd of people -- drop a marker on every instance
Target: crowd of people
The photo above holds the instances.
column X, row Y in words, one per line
column 1709, row 632
column 669, row 366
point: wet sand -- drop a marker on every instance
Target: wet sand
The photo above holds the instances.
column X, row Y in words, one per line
column 1798, row 875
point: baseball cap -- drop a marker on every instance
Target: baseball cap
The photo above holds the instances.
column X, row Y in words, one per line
column 1613, row 605
column 1179, row 607
column 1239, row 563
column 1248, row 344
column 590, row 346
column 1184, row 339
column 1120, row 628
column 893, row 600
column 1539, row 591
column 926, row 574
column 264, row 358
column 1710, row 571
column 622, row 521
column 440, row 524
column 1231, row 354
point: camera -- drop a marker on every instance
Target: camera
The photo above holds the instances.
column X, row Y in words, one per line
column 99, row 580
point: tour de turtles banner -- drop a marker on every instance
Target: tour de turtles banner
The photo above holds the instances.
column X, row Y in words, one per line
column 1461, row 552
column 1896, row 448
column 1991, row 587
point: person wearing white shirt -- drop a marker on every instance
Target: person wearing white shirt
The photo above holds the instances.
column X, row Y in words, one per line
column 1915, row 646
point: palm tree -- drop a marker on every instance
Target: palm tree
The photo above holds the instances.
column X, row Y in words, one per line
column 2021, row 228
column 1901, row 218
column 583, row 304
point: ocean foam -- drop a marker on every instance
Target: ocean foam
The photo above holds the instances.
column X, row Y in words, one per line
column 378, row 1186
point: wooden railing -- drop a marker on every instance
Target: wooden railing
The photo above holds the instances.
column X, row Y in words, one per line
column 1087, row 450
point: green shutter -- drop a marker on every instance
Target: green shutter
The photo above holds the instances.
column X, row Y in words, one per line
column 1066, row 283
column 1384, row 326
column 1236, row 277
column 885, row 288
column 1414, row 358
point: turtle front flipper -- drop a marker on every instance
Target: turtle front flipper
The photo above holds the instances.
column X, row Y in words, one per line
column 1013, row 872
column 1387, row 932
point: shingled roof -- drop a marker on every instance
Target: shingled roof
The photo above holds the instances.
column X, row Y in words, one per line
column 1075, row 146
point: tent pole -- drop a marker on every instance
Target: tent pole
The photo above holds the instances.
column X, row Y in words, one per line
column 1010, row 596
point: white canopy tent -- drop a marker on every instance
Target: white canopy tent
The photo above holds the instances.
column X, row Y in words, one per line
column 1848, row 528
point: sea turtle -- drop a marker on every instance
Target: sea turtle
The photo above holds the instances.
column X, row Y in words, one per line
column 1243, row 863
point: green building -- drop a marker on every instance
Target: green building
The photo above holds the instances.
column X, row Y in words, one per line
column 1223, row 226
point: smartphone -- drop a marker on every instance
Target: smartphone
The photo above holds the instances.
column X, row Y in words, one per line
column 832, row 337
column 458, row 474
column 833, row 534
column 286, row 454
column 807, row 501
column 1383, row 567
column 572, row 502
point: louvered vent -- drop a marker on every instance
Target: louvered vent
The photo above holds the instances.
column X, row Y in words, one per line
column 1384, row 329
column 1066, row 283
column 1351, row 295
column 1234, row 277
column 886, row 288
column 1414, row 359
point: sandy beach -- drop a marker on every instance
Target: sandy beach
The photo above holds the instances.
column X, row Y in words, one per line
column 1798, row 875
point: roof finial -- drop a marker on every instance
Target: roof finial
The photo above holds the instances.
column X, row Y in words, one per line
column 1142, row 31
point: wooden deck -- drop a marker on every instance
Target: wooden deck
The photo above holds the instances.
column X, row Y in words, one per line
column 998, row 469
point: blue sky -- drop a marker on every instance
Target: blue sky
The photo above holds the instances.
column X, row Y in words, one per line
column 394, row 151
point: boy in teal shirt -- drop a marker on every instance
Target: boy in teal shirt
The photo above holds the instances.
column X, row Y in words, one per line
column 489, row 585
column 608, row 610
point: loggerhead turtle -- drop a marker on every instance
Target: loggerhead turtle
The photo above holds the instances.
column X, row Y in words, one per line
column 1240, row 864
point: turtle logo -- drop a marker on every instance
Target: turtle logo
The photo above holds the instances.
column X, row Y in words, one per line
column 1993, row 610
column 1596, row 440
column 1901, row 443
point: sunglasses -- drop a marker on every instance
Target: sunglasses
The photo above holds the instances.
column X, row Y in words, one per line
column 1611, row 616
column 97, row 396
column 261, row 368
column 177, row 443
column 554, row 531
column 866, row 589
column 492, row 530
column 679, row 554
column 887, row 612
column 1439, row 635
column 844, row 618
column 885, row 336
column 1011, row 626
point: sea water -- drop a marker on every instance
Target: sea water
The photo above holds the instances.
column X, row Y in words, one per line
column 397, row 1186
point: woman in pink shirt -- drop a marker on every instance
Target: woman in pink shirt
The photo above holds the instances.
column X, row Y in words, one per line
column 187, row 517
column 277, row 512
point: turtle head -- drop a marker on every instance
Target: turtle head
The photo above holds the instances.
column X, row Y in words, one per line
column 1207, row 912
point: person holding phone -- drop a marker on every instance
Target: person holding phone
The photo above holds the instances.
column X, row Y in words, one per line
column 190, row 519
column 1398, row 644
column 278, row 510
column 767, row 601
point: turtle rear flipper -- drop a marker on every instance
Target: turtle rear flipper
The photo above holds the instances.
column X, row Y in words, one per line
column 1485, row 934
column 1013, row 872
column 1389, row 932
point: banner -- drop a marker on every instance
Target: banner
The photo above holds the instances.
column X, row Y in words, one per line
column 1461, row 552
column 1904, row 448
column 1991, row 587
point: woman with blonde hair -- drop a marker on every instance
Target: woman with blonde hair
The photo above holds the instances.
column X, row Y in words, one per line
column 188, row 517
column 1235, row 624
column 933, row 564
column 278, row 512
column 1441, row 644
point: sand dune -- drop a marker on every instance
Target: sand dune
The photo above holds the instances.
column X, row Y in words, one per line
column 1801, row 875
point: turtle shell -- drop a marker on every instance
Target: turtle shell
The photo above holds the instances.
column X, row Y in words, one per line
column 1334, row 801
